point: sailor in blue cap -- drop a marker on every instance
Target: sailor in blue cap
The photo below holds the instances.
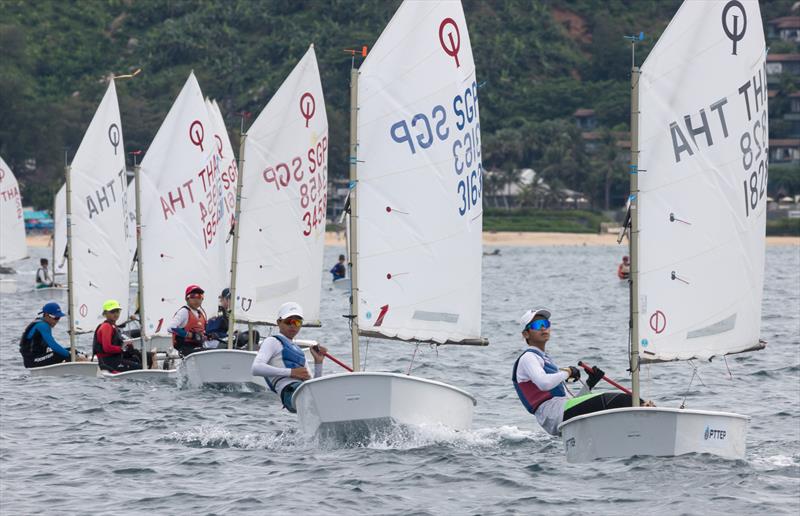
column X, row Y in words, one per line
column 37, row 345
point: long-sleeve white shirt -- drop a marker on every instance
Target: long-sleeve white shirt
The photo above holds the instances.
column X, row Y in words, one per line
column 269, row 364
column 550, row 414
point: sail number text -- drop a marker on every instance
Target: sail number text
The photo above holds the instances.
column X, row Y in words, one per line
column 458, row 123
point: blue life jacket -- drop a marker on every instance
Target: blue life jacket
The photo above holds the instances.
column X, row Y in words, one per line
column 292, row 356
column 529, row 393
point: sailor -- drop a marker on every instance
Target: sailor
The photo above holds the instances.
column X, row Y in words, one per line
column 108, row 345
column 339, row 271
column 43, row 279
column 539, row 382
column 281, row 362
column 37, row 345
column 624, row 269
column 217, row 326
column 189, row 323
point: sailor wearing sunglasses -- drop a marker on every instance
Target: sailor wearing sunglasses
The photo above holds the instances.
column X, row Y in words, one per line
column 281, row 362
column 540, row 383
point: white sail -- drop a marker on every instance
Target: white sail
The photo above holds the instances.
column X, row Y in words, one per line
column 12, row 222
column 229, row 173
column 60, row 231
column 284, row 197
column 99, row 192
column 182, row 240
column 703, row 140
column 420, row 181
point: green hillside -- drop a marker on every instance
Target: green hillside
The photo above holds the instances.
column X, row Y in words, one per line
column 538, row 61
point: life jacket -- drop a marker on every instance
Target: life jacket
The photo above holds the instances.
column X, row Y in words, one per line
column 195, row 324
column 292, row 356
column 622, row 273
column 34, row 346
column 97, row 346
column 529, row 394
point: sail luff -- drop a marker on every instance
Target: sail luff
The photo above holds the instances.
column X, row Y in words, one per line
column 139, row 269
column 634, row 237
column 235, row 245
column 353, row 220
column 70, row 269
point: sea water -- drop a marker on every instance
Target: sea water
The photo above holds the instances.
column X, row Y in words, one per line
column 88, row 446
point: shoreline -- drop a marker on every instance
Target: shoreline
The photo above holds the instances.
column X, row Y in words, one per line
column 501, row 238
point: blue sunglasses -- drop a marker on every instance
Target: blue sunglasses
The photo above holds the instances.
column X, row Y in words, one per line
column 538, row 324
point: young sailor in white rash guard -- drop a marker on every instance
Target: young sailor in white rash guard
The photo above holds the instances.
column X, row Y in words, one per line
column 540, row 383
column 281, row 362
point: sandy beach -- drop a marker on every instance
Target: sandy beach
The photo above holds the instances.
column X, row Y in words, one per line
column 497, row 239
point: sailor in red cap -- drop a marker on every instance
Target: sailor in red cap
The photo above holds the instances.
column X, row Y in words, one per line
column 189, row 323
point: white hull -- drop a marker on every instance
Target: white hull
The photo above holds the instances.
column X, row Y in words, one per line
column 353, row 403
column 89, row 369
column 343, row 284
column 221, row 367
column 143, row 375
column 653, row 431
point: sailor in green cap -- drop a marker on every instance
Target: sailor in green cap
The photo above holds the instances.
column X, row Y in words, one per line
column 112, row 352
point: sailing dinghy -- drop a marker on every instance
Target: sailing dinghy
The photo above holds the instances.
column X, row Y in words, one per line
column 97, row 256
column 698, row 213
column 280, row 208
column 415, row 222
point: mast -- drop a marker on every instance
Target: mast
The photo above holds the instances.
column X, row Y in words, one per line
column 70, row 290
column 235, row 251
column 55, row 214
column 139, row 273
column 353, row 222
column 634, row 231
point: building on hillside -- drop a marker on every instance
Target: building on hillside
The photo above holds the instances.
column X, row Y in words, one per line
column 524, row 188
column 786, row 28
column 779, row 64
column 793, row 116
column 585, row 119
column 784, row 150
column 338, row 188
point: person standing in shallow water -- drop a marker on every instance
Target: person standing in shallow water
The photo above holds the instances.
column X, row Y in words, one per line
column 539, row 382
column 281, row 362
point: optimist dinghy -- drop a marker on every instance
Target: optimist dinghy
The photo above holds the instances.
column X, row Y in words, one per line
column 698, row 213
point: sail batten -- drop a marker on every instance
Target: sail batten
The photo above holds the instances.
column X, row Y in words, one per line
column 703, row 160
column 420, row 180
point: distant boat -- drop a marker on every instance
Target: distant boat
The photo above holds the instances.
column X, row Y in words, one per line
column 698, row 215
column 415, row 223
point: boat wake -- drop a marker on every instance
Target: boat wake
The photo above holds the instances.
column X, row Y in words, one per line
column 390, row 438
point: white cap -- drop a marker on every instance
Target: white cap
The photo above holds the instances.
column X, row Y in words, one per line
column 290, row 309
column 528, row 316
